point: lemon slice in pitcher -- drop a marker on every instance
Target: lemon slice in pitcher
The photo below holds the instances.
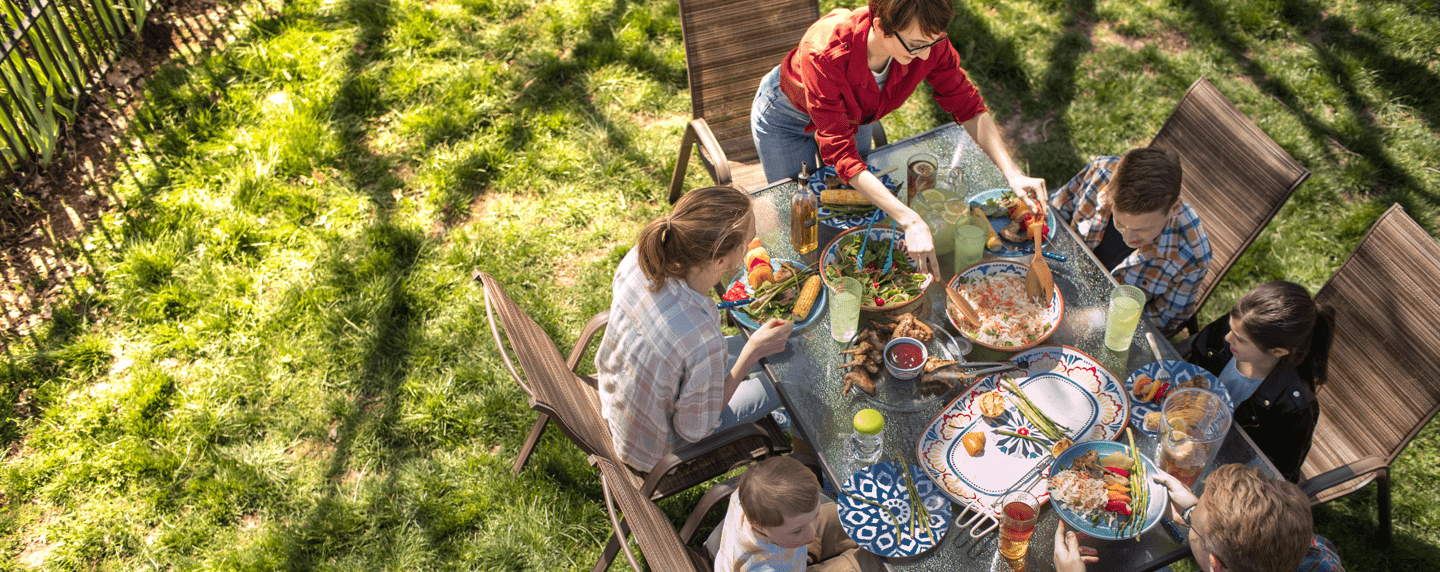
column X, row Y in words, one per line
column 931, row 205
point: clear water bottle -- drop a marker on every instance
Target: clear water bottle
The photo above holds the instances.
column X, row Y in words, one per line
column 867, row 441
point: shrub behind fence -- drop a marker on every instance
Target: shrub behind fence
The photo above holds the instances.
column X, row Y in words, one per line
column 53, row 52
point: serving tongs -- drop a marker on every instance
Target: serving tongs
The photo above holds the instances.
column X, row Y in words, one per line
column 952, row 372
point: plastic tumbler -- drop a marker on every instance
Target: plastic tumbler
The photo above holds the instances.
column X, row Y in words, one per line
column 1126, row 302
column 970, row 235
column 1193, row 424
column 844, row 308
column 1017, row 523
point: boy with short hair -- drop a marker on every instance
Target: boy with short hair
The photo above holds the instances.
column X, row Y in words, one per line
column 1244, row 522
column 776, row 523
column 1129, row 212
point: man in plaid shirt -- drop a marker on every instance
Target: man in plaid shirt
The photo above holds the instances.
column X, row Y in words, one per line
column 1129, row 212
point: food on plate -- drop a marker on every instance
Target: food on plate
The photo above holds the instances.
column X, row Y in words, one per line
column 808, row 294
column 992, row 404
column 1081, row 491
column 867, row 355
column 1060, row 447
column 992, row 240
column 1149, row 389
column 974, row 443
column 1024, row 221
column 901, row 284
column 757, row 263
column 1008, row 316
column 842, row 196
column 1197, row 381
column 1152, row 421
column 1117, row 460
column 1098, row 488
column 787, row 294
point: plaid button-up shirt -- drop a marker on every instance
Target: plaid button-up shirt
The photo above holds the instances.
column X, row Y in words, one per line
column 1168, row 270
column 661, row 365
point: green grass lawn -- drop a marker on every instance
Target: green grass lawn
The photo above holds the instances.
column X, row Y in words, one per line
column 281, row 363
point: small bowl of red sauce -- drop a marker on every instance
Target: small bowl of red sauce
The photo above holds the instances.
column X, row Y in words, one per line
column 904, row 357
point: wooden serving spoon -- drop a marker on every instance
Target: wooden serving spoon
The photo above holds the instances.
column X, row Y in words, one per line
column 966, row 309
column 1039, row 283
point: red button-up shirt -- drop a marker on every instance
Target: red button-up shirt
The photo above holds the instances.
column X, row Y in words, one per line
column 828, row 78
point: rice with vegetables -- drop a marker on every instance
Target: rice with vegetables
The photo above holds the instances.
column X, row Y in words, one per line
column 1082, row 493
column 1008, row 317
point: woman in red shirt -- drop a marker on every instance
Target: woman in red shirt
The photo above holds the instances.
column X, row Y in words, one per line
column 826, row 94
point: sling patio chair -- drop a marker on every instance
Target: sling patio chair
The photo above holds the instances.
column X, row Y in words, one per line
column 570, row 400
column 1384, row 367
column 662, row 547
column 729, row 47
column 1236, row 177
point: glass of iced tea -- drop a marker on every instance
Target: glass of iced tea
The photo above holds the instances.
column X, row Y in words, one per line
column 919, row 175
column 1017, row 523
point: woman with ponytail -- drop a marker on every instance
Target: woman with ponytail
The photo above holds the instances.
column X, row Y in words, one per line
column 666, row 377
column 1270, row 354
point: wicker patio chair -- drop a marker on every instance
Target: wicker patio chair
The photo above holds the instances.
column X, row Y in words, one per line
column 1384, row 368
column 729, row 47
column 1236, row 177
column 571, row 401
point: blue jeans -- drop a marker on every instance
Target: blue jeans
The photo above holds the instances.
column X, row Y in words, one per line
column 778, row 129
column 755, row 398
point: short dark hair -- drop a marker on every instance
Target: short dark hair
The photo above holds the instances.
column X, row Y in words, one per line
column 1146, row 180
column 776, row 488
column 933, row 15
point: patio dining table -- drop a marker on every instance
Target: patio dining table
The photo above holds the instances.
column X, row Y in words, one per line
column 809, row 380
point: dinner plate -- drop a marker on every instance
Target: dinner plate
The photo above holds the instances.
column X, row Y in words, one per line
column 845, row 222
column 1065, row 383
column 904, row 394
column 1179, row 371
column 745, row 320
column 1111, row 524
column 871, row 526
column 1008, row 248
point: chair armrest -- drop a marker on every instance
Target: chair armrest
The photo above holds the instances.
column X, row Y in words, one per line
column 877, row 135
column 712, row 497
column 1339, row 475
column 703, row 448
column 583, row 342
column 698, row 131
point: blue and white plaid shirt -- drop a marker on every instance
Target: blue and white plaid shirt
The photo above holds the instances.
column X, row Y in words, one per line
column 1169, row 269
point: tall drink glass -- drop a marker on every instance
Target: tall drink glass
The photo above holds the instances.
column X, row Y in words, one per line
column 970, row 234
column 1193, row 424
column 844, row 308
column 1017, row 523
column 1126, row 303
column 919, row 175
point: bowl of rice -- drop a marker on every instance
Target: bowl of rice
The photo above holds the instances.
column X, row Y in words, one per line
column 1010, row 321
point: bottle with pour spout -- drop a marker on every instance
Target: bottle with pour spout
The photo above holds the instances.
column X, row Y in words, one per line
column 804, row 210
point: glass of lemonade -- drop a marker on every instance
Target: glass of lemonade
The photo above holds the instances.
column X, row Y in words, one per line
column 844, row 308
column 1126, row 303
column 970, row 234
column 1017, row 523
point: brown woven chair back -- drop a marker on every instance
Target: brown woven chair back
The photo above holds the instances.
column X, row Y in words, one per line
column 1384, row 368
column 553, row 388
column 1236, row 177
column 653, row 531
column 729, row 47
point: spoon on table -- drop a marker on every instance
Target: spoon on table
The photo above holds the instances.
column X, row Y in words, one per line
column 966, row 309
column 1039, row 283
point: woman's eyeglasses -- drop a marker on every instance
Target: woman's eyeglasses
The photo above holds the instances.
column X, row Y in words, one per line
column 914, row 51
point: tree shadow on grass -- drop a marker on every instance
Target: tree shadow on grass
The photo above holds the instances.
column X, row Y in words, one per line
column 1367, row 143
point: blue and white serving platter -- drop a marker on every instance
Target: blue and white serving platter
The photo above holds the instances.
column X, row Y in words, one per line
column 1066, row 384
column 845, row 222
column 872, row 528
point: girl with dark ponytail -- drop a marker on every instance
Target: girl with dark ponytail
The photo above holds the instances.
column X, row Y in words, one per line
column 667, row 377
column 1270, row 354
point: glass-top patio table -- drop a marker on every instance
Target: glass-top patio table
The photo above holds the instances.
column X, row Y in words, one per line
column 809, row 380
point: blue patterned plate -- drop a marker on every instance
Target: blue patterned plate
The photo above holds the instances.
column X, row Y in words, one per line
column 845, row 222
column 745, row 320
column 1068, row 385
column 1012, row 248
column 1179, row 371
column 872, row 527
column 1109, row 525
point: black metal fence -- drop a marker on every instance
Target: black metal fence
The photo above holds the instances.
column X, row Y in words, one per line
column 53, row 52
